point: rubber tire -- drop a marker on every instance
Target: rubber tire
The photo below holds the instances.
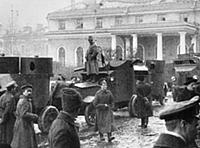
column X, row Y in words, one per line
column 130, row 107
column 90, row 108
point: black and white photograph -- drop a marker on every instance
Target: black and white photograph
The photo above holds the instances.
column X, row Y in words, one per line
column 99, row 73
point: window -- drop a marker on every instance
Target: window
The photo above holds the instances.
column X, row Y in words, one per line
column 61, row 25
column 79, row 23
column 79, row 55
column 99, row 23
column 118, row 20
column 161, row 17
column 139, row 19
column 184, row 17
column 61, row 56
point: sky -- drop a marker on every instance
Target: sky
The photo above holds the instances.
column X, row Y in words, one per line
column 29, row 12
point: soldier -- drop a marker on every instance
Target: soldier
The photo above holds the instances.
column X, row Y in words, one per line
column 189, row 90
column 24, row 134
column 181, row 123
column 142, row 104
column 91, row 60
column 104, row 102
column 56, row 95
column 63, row 131
column 7, row 109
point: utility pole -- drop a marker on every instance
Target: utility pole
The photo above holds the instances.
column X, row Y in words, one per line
column 12, row 30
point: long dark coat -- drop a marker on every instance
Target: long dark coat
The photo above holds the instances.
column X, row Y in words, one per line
column 91, row 60
column 142, row 103
column 63, row 132
column 169, row 141
column 7, row 109
column 104, row 114
column 24, row 134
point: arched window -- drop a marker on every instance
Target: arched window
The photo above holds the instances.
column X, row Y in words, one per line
column 79, row 55
column 61, row 56
column 118, row 53
column 140, row 52
column 1, row 44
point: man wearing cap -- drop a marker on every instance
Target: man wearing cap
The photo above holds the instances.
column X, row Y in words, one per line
column 181, row 122
column 7, row 117
column 24, row 134
column 63, row 131
column 91, row 60
column 104, row 102
column 189, row 90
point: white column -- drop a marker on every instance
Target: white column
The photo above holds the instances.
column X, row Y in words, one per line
column 182, row 42
column 128, row 47
column 159, row 46
column 194, row 41
column 114, row 42
column 135, row 44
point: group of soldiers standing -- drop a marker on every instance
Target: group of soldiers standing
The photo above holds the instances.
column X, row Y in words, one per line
column 16, row 124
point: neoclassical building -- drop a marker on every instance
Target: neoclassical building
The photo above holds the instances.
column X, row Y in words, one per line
column 147, row 29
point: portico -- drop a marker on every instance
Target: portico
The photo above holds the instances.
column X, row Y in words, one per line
column 182, row 36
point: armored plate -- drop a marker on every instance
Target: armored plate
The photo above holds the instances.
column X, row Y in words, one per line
column 47, row 116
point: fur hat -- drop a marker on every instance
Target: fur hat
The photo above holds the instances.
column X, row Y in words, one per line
column 71, row 99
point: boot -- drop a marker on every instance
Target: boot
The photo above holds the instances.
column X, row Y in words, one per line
column 146, row 122
column 143, row 122
column 110, row 138
column 101, row 137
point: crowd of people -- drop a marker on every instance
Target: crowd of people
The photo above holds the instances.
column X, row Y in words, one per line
column 16, row 124
column 17, row 117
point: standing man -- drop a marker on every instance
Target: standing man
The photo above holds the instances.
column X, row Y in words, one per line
column 63, row 131
column 24, row 134
column 181, row 123
column 91, row 60
column 104, row 102
column 142, row 103
column 7, row 109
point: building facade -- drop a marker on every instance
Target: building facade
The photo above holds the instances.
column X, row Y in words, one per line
column 148, row 29
column 26, row 43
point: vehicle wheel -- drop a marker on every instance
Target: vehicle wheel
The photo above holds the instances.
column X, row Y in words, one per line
column 90, row 115
column 131, row 107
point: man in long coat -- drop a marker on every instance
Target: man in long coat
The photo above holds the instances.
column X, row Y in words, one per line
column 104, row 102
column 7, row 109
column 63, row 131
column 24, row 134
column 91, row 60
column 142, row 103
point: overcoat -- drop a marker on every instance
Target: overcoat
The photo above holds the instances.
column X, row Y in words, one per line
column 63, row 132
column 24, row 134
column 142, row 103
column 104, row 114
column 7, row 109
column 169, row 141
column 91, row 60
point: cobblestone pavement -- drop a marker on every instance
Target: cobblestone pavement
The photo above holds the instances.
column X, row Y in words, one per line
column 128, row 134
